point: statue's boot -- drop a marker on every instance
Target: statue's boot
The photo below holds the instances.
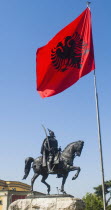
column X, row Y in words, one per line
column 50, row 171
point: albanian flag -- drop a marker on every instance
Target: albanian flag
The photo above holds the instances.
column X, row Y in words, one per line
column 65, row 58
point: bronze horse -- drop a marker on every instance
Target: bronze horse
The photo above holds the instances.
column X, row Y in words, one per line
column 62, row 169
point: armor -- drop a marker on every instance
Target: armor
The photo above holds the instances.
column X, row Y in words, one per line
column 48, row 150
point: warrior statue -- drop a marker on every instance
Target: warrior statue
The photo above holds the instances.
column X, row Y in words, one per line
column 54, row 161
column 49, row 150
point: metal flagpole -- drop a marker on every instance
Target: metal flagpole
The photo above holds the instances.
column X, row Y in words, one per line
column 88, row 3
column 99, row 140
column 99, row 133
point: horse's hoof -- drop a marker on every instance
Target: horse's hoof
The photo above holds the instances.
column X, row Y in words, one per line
column 48, row 191
column 62, row 191
column 31, row 191
column 24, row 177
column 73, row 178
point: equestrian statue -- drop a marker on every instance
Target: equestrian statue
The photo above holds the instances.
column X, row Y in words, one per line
column 54, row 161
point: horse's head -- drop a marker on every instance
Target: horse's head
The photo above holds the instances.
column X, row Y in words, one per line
column 78, row 147
column 73, row 149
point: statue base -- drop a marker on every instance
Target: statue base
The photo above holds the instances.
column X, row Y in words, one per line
column 48, row 202
column 35, row 194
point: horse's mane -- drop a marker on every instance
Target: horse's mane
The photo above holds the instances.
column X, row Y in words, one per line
column 71, row 144
column 68, row 145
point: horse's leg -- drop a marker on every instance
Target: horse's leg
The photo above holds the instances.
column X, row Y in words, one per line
column 73, row 168
column 43, row 181
column 33, row 180
column 63, row 182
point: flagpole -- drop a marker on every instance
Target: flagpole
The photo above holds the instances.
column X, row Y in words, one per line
column 99, row 140
column 99, row 132
column 88, row 3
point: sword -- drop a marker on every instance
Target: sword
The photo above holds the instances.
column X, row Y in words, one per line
column 46, row 137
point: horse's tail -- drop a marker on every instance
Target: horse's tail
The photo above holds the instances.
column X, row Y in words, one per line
column 28, row 162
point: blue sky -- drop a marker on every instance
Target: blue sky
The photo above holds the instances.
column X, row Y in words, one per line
column 25, row 26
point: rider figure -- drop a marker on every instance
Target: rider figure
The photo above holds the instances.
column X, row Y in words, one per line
column 48, row 150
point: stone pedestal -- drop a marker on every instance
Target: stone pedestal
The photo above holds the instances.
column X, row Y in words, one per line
column 53, row 202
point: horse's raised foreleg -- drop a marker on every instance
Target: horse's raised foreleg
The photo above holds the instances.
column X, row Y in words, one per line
column 33, row 180
column 63, row 182
column 43, row 181
column 73, row 168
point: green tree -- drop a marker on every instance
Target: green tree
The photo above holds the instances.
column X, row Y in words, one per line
column 92, row 202
column 109, row 207
column 98, row 192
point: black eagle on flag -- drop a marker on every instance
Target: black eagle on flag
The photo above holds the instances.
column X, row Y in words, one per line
column 70, row 53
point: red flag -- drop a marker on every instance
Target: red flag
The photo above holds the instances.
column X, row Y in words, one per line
column 65, row 58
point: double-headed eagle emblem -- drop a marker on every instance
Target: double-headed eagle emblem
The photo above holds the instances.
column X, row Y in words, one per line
column 69, row 53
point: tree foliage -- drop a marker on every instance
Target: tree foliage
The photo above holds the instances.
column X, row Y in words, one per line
column 107, row 187
column 109, row 207
column 92, row 202
column 95, row 201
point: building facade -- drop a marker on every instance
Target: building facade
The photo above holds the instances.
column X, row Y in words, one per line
column 11, row 191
